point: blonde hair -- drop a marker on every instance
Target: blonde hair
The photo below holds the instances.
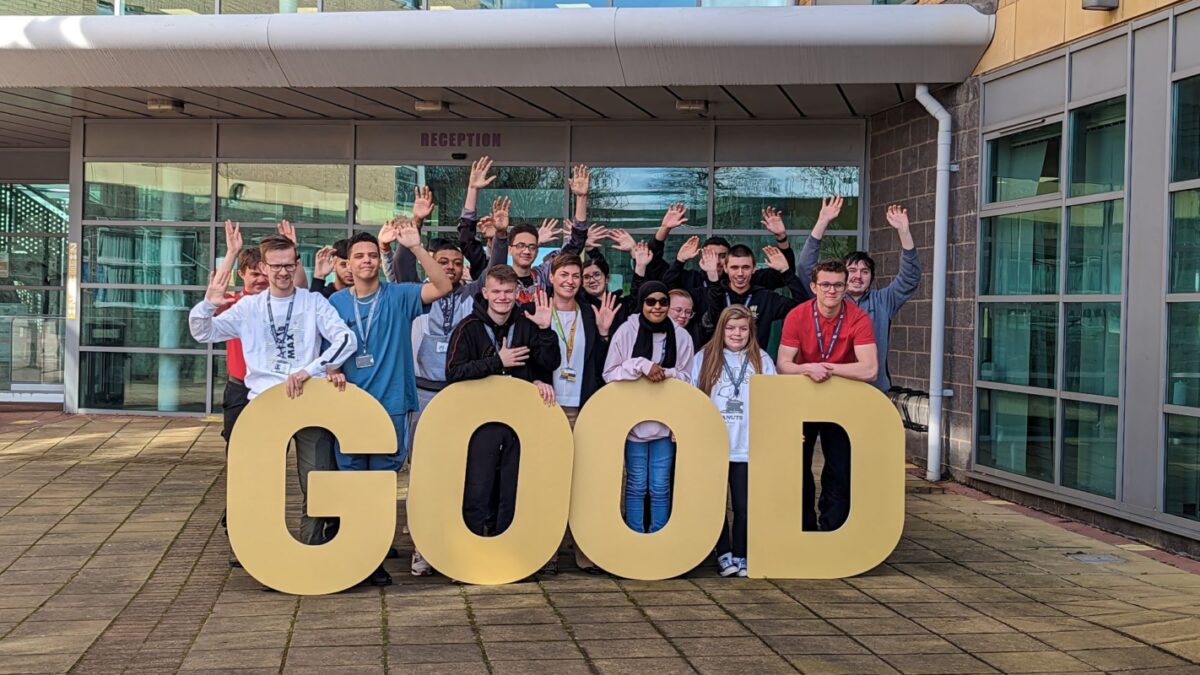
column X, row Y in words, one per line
column 714, row 359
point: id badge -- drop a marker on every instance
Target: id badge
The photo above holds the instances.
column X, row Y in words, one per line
column 280, row 366
column 443, row 346
column 733, row 407
column 568, row 374
column 364, row 361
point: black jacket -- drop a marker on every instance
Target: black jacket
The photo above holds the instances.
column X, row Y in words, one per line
column 319, row 286
column 766, row 305
column 472, row 356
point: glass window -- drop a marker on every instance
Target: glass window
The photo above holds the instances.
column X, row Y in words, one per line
column 633, row 197
column 31, row 350
column 1098, row 148
column 1093, row 348
column 175, row 256
column 28, row 207
column 536, row 192
column 1187, row 129
column 1017, row 343
column 742, row 192
column 1025, row 164
column 147, row 191
column 269, row 193
column 1019, row 254
column 311, row 239
column 654, row 3
column 1095, row 235
column 17, row 301
column 368, row 5
column 1183, row 358
column 1089, row 461
column 126, row 317
column 1181, row 489
column 220, row 375
column 176, row 7
column 31, row 261
column 265, row 6
column 1185, row 242
column 1016, row 433
column 140, row 381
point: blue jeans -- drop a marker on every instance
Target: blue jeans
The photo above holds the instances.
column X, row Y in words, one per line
column 391, row 462
column 648, row 467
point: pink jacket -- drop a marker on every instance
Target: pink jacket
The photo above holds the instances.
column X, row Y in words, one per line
column 621, row 365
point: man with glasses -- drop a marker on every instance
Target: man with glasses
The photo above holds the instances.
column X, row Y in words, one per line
column 822, row 338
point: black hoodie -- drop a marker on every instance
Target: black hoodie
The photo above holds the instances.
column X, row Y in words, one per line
column 767, row 306
column 473, row 356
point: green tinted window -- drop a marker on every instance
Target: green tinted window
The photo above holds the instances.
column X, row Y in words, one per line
column 1185, row 242
column 124, row 381
column 147, row 191
column 1016, row 433
column 1095, row 235
column 1019, row 254
column 1093, row 348
column 1025, row 164
column 741, row 193
column 1089, row 461
column 632, row 197
column 1187, row 129
column 1183, row 356
column 1017, row 343
column 269, row 193
column 1098, row 148
column 1181, row 486
column 124, row 317
column 536, row 192
column 145, row 254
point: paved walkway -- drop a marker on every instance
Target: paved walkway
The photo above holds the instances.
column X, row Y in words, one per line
column 112, row 560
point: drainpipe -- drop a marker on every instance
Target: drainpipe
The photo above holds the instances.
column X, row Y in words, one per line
column 941, row 227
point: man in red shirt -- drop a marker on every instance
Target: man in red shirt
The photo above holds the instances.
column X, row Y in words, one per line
column 823, row 338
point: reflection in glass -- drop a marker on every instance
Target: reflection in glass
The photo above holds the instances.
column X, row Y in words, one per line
column 1017, row 343
column 31, row 261
column 1181, row 482
column 126, row 317
column 369, row 5
column 269, row 193
column 267, row 6
column 310, row 241
column 1098, row 148
column 1024, row 164
column 1089, row 460
column 1092, row 362
column 147, row 191
column 1187, row 129
column 633, row 197
column 175, row 256
column 32, row 351
column 17, row 301
column 174, row 7
column 1185, row 242
column 742, row 193
column 1183, row 356
column 1016, row 433
column 536, row 192
column 140, row 381
column 1019, row 254
column 1095, row 236
column 220, row 375
column 33, row 207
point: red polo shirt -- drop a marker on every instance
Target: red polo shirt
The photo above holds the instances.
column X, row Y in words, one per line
column 235, row 361
column 800, row 333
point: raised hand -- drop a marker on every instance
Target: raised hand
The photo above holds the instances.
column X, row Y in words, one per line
column 773, row 221
column 487, row 227
column 549, row 231
column 595, row 235
column 606, row 313
column 389, row 232
column 580, row 179
column 218, row 283
column 324, row 263
column 233, row 238
column 689, row 250
column 831, row 207
column 479, row 178
column 500, row 208
column 775, row 259
column 710, row 263
column 675, row 216
column 512, row 357
column 541, row 310
column 546, row 392
column 897, row 217
column 622, row 240
column 642, row 255
column 408, row 235
column 288, row 230
column 422, row 203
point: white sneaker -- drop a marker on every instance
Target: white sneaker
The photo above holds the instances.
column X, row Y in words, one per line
column 727, row 564
column 420, row 568
column 741, row 567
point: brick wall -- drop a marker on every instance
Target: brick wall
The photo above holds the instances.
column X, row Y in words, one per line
column 903, row 170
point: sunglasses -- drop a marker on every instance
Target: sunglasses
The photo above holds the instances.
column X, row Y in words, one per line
column 657, row 302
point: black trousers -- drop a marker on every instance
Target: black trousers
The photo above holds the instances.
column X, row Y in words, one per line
column 835, row 477
column 233, row 402
column 733, row 540
column 493, row 457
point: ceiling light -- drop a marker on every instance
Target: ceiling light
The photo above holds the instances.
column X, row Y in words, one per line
column 430, row 106
column 164, row 105
column 694, row 106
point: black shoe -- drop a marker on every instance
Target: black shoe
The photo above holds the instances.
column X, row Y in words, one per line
column 550, row 569
column 393, row 553
column 234, row 562
column 380, row 578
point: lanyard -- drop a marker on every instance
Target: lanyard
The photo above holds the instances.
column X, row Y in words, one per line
column 279, row 333
column 507, row 340
column 568, row 341
column 837, row 329
column 448, row 310
column 741, row 376
column 364, row 329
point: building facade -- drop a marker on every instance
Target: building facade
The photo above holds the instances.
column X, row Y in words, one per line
column 1072, row 313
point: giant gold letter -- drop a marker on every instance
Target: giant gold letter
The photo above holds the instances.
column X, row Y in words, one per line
column 701, row 476
column 439, row 464
column 364, row 500
column 777, row 546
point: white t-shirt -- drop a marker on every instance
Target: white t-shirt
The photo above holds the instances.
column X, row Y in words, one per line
column 734, row 405
column 569, row 391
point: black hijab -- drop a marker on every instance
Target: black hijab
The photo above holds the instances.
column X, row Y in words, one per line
column 644, row 344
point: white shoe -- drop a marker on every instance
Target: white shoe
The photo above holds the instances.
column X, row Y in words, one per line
column 741, row 567
column 420, row 568
column 727, row 564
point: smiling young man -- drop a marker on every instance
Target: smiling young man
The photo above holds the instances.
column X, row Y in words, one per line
column 822, row 338
column 736, row 287
column 334, row 259
column 281, row 333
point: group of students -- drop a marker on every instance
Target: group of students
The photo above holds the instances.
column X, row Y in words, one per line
column 557, row 325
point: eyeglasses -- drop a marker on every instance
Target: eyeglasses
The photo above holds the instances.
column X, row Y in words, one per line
column 523, row 247
column 596, row 276
column 286, row 267
column 657, row 302
column 830, row 286
column 681, row 311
